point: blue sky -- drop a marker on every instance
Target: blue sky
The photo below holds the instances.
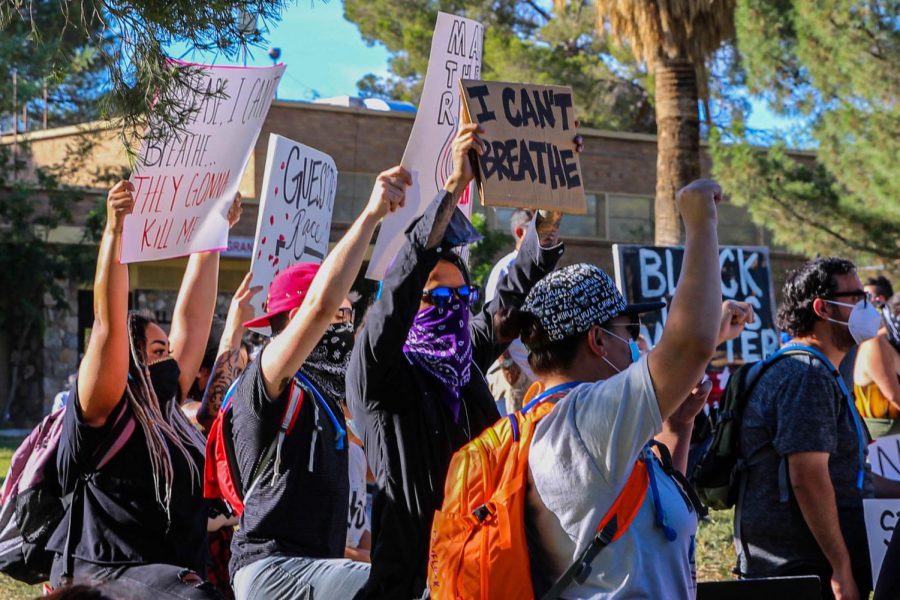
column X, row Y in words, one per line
column 326, row 56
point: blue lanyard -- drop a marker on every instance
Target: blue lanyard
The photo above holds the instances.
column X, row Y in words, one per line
column 857, row 421
column 659, row 512
column 554, row 391
column 341, row 433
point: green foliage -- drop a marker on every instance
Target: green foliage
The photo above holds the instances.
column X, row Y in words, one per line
column 523, row 42
column 835, row 65
column 33, row 268
column 129, row 38
column 69, row 68
column 482, row 254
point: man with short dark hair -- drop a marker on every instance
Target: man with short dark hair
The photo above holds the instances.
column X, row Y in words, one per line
column 800, row 509
column 879, row 289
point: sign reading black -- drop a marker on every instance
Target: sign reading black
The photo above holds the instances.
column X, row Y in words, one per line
column 650, row 273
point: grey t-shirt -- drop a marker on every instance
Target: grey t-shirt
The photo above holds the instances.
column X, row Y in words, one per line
column 581, row 456
column 797, row 406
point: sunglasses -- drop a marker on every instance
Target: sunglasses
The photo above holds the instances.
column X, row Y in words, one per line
column 633, row 329
column 441, row 296
column 861, row 294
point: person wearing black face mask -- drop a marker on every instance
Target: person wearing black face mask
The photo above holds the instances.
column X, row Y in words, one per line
column 294, row 479
column 140, row 519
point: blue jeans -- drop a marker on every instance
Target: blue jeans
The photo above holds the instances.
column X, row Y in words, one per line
column 300, row 578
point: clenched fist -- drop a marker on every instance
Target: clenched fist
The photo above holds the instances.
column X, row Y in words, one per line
column 389, row 193
column 119, row 204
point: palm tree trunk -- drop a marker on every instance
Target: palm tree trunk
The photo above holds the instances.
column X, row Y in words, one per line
column 678, row 141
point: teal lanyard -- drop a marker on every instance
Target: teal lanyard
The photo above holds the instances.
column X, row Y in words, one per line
column 854, row 414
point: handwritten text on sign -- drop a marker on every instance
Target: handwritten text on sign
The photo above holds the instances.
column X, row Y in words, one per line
column 884, row 456
column 881, row 516
column 530, row 159
column 295, row 211
column 185, row 182
column 650, row 273
column 456, row 49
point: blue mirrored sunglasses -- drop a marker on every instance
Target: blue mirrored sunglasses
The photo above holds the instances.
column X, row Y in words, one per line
column 440, row 296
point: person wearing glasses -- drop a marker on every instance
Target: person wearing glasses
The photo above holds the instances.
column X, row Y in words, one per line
column 800, row 511
column 294, row 471
column 416, row 382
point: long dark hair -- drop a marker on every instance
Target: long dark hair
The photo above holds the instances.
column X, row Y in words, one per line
column 157, row 424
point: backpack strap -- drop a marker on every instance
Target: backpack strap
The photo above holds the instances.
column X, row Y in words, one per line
column 612, row 526
column 291, row 411
column 688, row 493
column 120, row 432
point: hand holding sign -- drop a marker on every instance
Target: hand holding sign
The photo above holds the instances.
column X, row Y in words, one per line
column 119, row 204
column 697, row 202
column 468, row 141
column 235, row 211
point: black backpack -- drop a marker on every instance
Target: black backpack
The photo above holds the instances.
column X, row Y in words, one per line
column 716, row 476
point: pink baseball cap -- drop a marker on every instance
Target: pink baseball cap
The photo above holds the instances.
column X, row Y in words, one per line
column 286, row 292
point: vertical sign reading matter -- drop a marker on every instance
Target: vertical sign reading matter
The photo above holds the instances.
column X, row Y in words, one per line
column 455, row 54
column 185, row 182
column 295, row 210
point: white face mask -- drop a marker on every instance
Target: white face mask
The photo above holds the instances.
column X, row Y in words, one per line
column 864, row 320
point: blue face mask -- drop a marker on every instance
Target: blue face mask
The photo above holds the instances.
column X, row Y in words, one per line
column 632, row 348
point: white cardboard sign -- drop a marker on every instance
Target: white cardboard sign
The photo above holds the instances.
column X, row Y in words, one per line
column 185, row 183
column 881, row 517
column 884, row 456
column 295, row 209
column 456, row 50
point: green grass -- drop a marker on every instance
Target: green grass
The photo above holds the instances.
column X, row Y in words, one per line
column 10, row 589
column 715, row 552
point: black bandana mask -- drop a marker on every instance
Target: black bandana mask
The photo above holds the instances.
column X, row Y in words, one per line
column 326, row 366
column 164, row 376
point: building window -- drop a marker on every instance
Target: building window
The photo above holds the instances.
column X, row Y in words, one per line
column 629, row 219
column 586, row 225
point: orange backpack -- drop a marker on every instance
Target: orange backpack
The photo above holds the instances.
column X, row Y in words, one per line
column 478, row 546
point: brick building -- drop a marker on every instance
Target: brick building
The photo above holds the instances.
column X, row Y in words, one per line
column 619, row 171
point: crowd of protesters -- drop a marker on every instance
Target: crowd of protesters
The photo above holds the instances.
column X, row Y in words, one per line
column 334, row 400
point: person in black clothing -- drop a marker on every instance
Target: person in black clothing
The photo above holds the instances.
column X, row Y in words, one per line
column 416, row 381
column 295, row 483
column 127, row 454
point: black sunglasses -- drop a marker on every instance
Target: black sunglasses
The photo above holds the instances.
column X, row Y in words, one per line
column 440, row 296
column 633, row 329
column 851, row 293
column 345, row 314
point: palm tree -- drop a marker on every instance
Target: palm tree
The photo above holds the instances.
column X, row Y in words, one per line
column 674, row 38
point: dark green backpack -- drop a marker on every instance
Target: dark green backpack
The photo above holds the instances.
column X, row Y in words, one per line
column 716, row 476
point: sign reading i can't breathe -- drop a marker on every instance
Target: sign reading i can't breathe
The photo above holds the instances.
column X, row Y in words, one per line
column 530, row 159
column 650, row 274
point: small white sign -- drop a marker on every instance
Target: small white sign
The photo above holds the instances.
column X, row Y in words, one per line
column 881, row 519
column 884, row 456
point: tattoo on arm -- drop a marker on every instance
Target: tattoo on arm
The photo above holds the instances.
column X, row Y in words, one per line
column 441, row 220
column 225, row 371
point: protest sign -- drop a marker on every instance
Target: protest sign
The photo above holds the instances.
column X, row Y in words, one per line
column 456, row 50
column 881, row 519
column 295, row 210
column 884, row 456
column 650, row 274
column 185, row 182
column 530, row 159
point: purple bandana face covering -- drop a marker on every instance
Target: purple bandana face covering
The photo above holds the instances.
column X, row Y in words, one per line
column 439, row 342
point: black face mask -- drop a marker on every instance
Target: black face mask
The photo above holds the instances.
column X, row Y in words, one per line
column 164, row 376
column 326, row 365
